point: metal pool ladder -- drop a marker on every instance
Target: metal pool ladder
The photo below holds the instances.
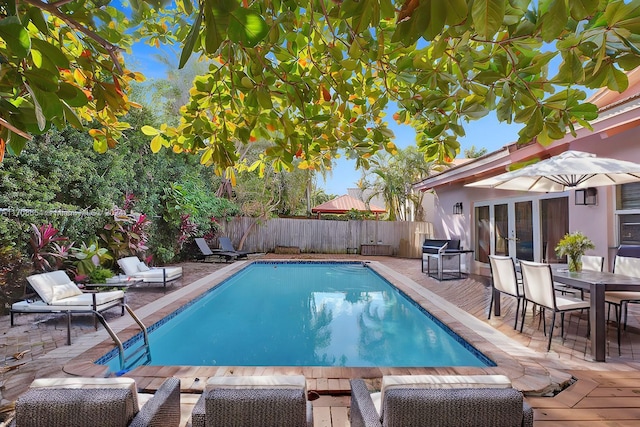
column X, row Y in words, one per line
column 143, row 351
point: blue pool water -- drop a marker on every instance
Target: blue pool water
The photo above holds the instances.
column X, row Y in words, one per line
column 305, row 314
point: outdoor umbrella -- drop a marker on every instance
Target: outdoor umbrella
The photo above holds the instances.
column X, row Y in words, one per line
column 566, row 171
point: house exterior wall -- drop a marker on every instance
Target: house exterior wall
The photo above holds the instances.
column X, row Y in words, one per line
column 597, row 222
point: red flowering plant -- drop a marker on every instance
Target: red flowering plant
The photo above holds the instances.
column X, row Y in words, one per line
column 44, row 255
column 126, row 234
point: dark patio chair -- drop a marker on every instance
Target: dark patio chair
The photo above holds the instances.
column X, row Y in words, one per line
column 207, row 254
column 227, row 246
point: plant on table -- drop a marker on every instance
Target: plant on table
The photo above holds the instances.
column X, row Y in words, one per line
column 91, row 257
column 573, row 246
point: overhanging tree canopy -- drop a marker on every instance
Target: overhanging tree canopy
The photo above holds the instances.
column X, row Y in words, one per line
column 316, row 76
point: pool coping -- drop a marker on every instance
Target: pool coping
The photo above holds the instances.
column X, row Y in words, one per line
column 514, row 360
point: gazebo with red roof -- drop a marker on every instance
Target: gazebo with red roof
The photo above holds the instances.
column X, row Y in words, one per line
column 343, row 204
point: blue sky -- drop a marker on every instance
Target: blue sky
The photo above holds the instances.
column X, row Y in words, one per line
column 484, row 133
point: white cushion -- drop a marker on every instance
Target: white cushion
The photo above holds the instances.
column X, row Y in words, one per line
column 143, row 267
column 43, row 283
column 259, row 382
column 86, row 300
column 443, row 381
column 156, row 274
column 377, row 401
column 65, row 291
column 89, row 383
column 129, row 265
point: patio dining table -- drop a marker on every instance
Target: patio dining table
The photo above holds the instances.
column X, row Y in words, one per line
column 597, row 283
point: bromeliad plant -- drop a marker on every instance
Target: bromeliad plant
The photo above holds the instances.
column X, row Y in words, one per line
column 573, row 246
column 45, row 256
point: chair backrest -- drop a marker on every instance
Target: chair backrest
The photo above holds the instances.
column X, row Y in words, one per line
column 226, row 245
column 130, row 265
column 503, row 273
column 592, row 263
column 53, row 286
column 537, row 283
column 453, row 407
column 628, row 266
column 268, row 401
column 62, row 402
column 203, row 246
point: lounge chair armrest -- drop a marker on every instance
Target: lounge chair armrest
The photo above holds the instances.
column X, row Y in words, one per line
column 163, row 409
column 363, row 412
column 527, row 415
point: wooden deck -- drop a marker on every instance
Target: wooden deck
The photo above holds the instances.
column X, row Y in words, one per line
column 602, row 394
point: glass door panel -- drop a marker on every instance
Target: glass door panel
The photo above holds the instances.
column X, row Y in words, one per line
column 501, row 216
column 523, row 233
column 554, row 220
column 483, row 234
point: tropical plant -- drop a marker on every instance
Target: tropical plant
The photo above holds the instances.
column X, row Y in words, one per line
column 573, row 246
column 100, row 275
column 13, row 272
column 313, row 77
column 126, row 234
column 42, row 239
column 391, row 178
column 90, row 257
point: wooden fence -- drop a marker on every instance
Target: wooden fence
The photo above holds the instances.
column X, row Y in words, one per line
column 402, row 239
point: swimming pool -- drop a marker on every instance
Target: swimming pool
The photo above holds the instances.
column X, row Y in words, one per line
column 305, row 314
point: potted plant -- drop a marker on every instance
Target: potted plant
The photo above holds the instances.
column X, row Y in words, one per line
column 574, row 245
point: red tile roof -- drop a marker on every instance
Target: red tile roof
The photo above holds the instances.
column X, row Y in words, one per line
column 344, row 204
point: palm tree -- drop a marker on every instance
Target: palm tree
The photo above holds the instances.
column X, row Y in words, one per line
column 392, row 178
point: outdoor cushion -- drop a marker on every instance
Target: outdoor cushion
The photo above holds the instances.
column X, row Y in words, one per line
column 65, row 291
column 132, row 266
column 390, row 382
column 44, row 283
column 86, row 300
column 129, row 265
column 259, row 382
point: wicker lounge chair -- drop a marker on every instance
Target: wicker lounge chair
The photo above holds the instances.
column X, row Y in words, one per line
column 265, row 401
column 206, row 254
column 58, row 294
column 133, row 267
column 102, row 402
column 440, row 400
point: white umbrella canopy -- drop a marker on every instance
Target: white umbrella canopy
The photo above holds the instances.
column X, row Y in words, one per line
column 566, row 171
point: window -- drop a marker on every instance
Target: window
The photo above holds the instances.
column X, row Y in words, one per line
column 628, row 205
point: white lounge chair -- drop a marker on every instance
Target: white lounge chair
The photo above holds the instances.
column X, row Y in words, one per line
column 59, row 294
column 133, row 267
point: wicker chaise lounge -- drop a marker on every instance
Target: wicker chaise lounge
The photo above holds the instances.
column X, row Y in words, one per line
column 98, row 402
column 440, row 400
column 265, row 401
